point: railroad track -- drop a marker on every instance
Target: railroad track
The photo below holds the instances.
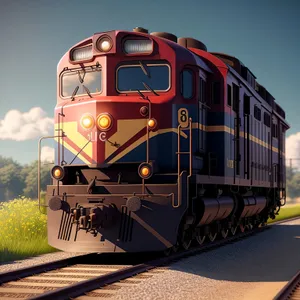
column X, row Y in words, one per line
column 291, row 290
column 73, row 277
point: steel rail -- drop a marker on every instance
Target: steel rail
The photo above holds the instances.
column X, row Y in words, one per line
column 289, row 289
column 41, row 268
column 80, row 288
column 77, row 289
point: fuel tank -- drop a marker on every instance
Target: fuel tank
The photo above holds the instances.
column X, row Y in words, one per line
column 252, row 206
column 215, row 209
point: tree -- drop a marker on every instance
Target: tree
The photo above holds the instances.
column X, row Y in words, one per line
column 293, row 185
column 30, row 176
column 11, row 181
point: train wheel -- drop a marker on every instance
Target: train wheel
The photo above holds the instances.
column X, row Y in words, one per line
column 168, row 251
column 200, row 239
column 175, row 247
column 249, row 226
column 212, row 236
column 224, row 233
column 233, row 230
column 242, row 228
column 186, row 240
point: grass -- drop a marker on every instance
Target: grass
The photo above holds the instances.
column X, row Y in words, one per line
column 23, row 230
column 287, row 212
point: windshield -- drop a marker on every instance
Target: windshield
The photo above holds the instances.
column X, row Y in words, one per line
column 81, row 82
column 131, row 77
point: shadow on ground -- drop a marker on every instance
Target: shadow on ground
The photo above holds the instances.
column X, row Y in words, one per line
column 273, row 255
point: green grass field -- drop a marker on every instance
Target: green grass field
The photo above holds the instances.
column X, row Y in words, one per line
column 23, row 229
column 287, row 212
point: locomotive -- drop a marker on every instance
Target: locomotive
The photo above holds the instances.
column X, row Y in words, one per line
column 160, row 143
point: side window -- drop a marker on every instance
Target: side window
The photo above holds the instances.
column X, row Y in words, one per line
column 187, row 84
column 246, row 104
column 267, row 119
column 257, row 113
column 274, row 130
column 236, row 97
column 229, row 95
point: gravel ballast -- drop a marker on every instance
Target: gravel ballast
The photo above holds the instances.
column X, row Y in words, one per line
column 254, row 268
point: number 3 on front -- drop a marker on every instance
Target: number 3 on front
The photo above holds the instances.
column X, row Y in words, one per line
column 183, row 117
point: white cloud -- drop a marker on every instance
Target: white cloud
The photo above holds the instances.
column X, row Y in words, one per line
column 293, row 150
column 29, row 125
column 47, row 154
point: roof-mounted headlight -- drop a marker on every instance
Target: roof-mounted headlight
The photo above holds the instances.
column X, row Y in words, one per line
column 83, row 53
column 138, row 46
column 104, row 43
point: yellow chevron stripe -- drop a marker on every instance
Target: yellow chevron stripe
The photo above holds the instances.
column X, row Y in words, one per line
column 71, row 149
column 142, row 140
column 70, row 129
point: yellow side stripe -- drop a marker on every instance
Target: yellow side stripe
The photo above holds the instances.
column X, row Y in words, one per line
column 223, row 128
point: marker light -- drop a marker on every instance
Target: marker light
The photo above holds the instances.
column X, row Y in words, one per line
column 152, row 123
column 104, row 121
column 138, row 46
column 87, row 122
column 57, row 173
column 104, row 43
column 84, row 53
column 145, row 170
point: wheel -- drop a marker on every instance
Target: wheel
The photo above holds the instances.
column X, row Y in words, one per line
column 233, row 230
column 167, row 251
column 212, row 236
column 249, row 227
column 224, row 233
column 175, row 247
column 242, row 228
column 200, row 239
column 186, row 240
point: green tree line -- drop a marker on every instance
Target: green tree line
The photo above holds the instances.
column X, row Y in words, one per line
column 21, row 180
column 292, row 183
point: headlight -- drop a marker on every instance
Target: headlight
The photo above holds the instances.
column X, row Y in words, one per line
column 138, row 46
column 104, row 43
column 145, row 170
column 152, row 124
column 87, row 122
column 83, row 53
column 57, row 172
column 104, row 121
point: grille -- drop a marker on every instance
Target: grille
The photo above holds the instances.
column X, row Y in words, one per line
column 126, row 224
column 66, row 225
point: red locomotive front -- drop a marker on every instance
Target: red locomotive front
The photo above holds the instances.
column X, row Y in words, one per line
column 114, row 111
column 151, row 148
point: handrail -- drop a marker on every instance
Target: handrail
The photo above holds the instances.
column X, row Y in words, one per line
column 179, row 172
column 39, row 165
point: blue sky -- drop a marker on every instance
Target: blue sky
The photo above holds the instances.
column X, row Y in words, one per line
column 263, row 34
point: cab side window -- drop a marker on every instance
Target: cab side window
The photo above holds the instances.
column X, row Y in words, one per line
column 187, row 84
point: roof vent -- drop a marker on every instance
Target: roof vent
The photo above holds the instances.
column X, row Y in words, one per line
column 165, row 35
column 191, row 43
column 140, row 29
